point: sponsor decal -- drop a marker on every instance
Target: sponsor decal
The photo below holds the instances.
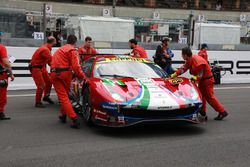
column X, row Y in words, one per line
column 100, row 112
column 165, row 108
column 101, row 119
column 109, row 107
column 194, row 117
column 121, row 119
column 120, row 59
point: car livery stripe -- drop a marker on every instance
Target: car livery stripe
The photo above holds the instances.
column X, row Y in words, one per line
column 173, row 95
column 156, row 98
column 146, row 97
column 187, row 100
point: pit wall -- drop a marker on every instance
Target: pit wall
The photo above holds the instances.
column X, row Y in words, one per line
column 235, row 63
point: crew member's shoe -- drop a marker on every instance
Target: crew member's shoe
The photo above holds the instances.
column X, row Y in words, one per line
column 63, row 118
column 48, row 100
column 75, row 124
column 3, row 116
column 39, row 105
column 202, row 117
column 221, row 116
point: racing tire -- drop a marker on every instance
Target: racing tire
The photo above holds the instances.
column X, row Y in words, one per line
column 87, row 107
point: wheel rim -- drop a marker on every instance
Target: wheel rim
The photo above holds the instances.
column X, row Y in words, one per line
column 86, row 108
column 87, row 111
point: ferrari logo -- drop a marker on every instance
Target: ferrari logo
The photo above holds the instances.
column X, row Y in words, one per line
column 175, row 81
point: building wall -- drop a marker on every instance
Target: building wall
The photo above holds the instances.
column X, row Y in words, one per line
column 95, row 10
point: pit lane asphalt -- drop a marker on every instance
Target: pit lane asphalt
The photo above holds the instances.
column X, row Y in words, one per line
column 34, row 138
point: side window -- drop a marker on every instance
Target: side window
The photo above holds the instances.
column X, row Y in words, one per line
column 87, row 67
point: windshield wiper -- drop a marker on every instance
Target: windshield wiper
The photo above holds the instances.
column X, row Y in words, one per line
column 115, row 76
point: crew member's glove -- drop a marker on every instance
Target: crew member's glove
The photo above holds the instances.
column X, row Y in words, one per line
column 174, row 75
column 193, row 78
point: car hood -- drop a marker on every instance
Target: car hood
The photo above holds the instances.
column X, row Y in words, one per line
column 151, row 93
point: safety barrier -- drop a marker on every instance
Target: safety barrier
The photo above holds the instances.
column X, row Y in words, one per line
column 235, row 64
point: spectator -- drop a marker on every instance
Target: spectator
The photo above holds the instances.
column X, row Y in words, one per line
column 219, row 4
column 163, row 56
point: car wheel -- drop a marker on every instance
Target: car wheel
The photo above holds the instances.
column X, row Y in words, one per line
column 87, row 107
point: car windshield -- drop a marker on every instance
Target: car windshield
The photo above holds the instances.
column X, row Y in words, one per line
column 134, row 69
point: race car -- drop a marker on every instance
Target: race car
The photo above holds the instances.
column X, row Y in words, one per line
column 121, row 91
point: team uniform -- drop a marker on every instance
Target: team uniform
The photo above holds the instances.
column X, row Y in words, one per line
column 3, row 76
column 203, row 54
column 199, row 67
column 139, row 52
column 63, row 62
column 40, row 75
column 86, row 52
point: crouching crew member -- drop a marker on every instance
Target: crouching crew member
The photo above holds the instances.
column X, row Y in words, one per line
column 40, row 75
column 137, row 51
column 63, row 62
column 86, row 51
column 201, row 72
column 5, row 68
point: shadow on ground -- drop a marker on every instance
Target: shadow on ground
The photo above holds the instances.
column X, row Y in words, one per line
column 151, row 130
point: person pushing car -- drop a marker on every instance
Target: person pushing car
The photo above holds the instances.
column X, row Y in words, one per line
column 201, row 72
column 63, row 62
column 5, row 68
column 40, row 75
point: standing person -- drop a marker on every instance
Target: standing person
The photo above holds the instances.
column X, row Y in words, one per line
column 63, row 62
column 4, row 64
column 40, row 75
column 86, row 51
column 203, row 52
column 137, row 51
column 164, row 55
column 201, row 72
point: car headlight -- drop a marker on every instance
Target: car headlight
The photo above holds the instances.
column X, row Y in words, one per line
column 114, row 94
column 194, row 94
column 117, row 97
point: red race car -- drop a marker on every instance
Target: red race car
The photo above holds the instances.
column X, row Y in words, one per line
column 123, row 91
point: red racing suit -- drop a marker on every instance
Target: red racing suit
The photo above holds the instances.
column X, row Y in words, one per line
column 40, row 75
column 139, row 52
column 203, row 53
column 3, row 90
column 84, row 51
column 199, row 67
column 63, row 62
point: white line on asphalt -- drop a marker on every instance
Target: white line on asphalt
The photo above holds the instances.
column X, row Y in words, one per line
column 229, row 88
column 27, row 95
